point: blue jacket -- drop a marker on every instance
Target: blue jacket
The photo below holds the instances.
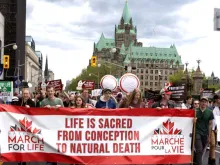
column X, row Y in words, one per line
column 110, row 104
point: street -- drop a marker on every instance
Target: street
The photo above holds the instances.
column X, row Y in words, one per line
column 205, row 159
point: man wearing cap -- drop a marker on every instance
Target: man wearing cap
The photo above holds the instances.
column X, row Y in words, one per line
column 106, row 100
column 216, row 112
column 204, row 117
column 165, row 100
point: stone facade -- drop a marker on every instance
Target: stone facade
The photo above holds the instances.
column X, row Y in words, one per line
column 51, row 75
column 197, row 81
column 31, row 67
column 152, row 65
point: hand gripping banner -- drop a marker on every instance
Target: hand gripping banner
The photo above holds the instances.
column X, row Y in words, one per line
column 95, row 136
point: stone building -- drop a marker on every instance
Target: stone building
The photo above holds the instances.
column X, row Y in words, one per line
column 32, row 66
column 152, row 65
column 51, row 75
column 213, row 80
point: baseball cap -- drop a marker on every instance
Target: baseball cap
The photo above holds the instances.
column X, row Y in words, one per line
column 165, row 92
column 204, row 98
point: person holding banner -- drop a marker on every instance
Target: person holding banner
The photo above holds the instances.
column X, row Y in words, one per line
column 134, row 100
column 216, row 112
column 52, row 101
column 106, row 100
column 25, row 100
column 164, row 101
column 204, row 117
column 79, row 103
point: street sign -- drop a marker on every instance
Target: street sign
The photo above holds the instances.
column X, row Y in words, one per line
column 6, row 88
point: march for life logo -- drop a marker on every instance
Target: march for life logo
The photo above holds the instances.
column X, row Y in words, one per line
column 25, row 137
column 168, row 139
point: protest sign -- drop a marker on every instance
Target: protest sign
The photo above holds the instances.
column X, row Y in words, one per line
column 95, row 136
column 179, row 92
column 6, row 88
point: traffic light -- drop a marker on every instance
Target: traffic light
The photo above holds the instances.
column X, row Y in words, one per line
column 94, row 61
column 6, row 59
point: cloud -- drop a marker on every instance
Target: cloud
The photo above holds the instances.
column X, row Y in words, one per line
column 67, row 29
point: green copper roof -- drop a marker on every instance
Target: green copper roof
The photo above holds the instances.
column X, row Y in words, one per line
column 105, row 43
column 126, row 14
column 153, row 53
column 123, row 31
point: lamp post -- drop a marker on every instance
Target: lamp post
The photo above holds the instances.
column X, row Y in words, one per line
column 113, row 50
column 90, row 74
column 14, row 46
column 110, row 68
column 99, row 65
column 159, row 74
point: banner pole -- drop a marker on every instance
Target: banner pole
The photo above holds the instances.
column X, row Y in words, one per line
column 0, row 153
column 193, row 138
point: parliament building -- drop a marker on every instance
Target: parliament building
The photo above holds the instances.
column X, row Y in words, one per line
column 152, row 65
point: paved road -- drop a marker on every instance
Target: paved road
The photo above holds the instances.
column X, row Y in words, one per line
column 205, row 159
column 217, row 156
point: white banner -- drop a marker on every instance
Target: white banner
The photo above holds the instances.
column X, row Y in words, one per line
column 84, row 135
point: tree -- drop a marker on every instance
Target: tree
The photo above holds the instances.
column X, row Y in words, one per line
column 91, row 73
column 216, row 86
column 176, row 77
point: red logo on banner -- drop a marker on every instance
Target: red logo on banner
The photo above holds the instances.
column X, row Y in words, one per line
column 88, row 84
column 28, row 137
column 168, row 140
column 168, row 129
column 25, row 126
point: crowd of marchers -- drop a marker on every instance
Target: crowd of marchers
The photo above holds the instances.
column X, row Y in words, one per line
column 204, row 122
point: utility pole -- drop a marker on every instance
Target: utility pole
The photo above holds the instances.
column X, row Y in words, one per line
column 18, row 72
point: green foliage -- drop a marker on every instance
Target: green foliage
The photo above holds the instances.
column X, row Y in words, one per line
column 91, row 73
column 175, row 78
column 216, row 87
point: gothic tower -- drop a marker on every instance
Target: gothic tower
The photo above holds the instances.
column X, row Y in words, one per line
column 126, row 32
column 46, row 71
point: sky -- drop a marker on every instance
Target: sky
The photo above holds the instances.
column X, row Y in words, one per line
column 65, row 30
